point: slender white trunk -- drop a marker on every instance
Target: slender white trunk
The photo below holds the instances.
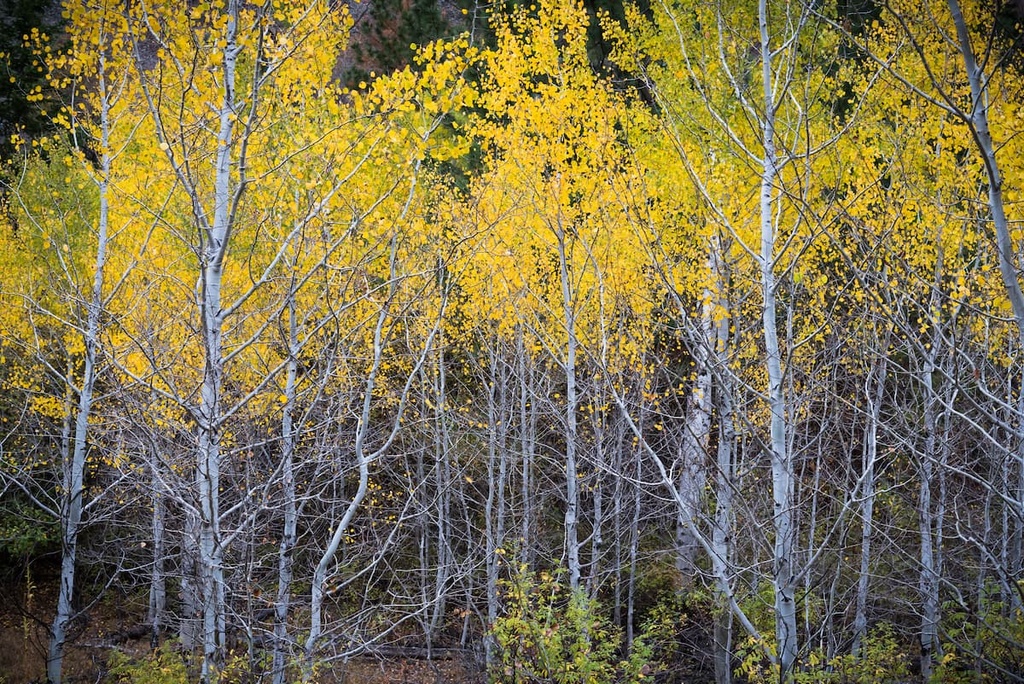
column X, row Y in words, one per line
column 617, row 535
column 424, row 531
column 781, row 458
column 74, row 468
column 71, row 516
column 941, row 464
column 634, row 550
column 191, row 602
column 363, row 460
column 721, row 542
column 494, row 517
column 572, row 496
column 874, row 397
column 694, row 444
column 288, row 534
column 158, row 581
column 528, row 432
column 443, row 543
column 928, row 580
column 1014, row 567
column 1008, row 256
column 319, row 588
column 208, row 456
column 208, row 480
column 596, row 537
column 721, row 533
column 1010, row 264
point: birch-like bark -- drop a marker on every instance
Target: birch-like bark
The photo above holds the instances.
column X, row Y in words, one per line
column 158, row 578
column 781, row 459
column 572, row 496
column 722, row 530
column 528, row 443
column 1010, row 262
column 928, row 581
column 634, row 550
column 72, row 499
column 443, row 487
column 617, row 528
column 191, row 602
column 364, row 457
column 874, row 393
column 597, row 536
column 497, row 473
column 288, row 534
column 721, row 540
column 1009, row 259
column 694, row 445
column 208, row 456
column 363, row 460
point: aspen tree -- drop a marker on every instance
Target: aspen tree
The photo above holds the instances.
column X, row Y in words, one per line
column 99, row 115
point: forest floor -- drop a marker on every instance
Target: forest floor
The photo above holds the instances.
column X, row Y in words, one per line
column 110, row 625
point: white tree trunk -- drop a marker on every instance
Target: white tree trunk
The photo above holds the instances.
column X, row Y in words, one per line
column 158, row 578
column 572, row 496
column 443, row 488
column 1008, row 257
column 528, row 443
column 363, row 459
column 494, row 510
column 634, row 549
column 210, row 411
column 929, row 578
column 874, row 395
column 721, row 542
column 694, row 443
column 1010, row 264
column 74, row 467
column 360, row 447
column 288, row 534
column 781, row 459
column 722, row 530
column 597, row 536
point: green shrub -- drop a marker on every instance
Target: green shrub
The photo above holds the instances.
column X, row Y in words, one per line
column 552, row 635
column 981, row 645
column 881, row 661
column 162, row 666
column 25, row 532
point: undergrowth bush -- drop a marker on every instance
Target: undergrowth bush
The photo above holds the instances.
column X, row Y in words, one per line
column 549, row 634
column 162, row 666
column 882, row 660
column 166, row 665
